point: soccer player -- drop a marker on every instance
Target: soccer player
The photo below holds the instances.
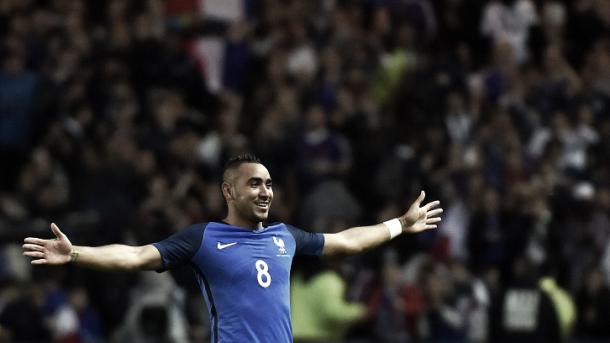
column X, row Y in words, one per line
column 241, row 265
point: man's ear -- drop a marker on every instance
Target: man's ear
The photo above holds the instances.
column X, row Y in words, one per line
column 227, row 191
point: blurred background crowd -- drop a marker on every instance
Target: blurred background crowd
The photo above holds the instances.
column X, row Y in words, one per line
column 116, row 117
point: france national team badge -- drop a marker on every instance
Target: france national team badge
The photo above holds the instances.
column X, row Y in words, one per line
column 280, row 244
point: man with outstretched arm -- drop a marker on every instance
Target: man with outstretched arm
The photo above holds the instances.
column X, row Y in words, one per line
column 242, row 266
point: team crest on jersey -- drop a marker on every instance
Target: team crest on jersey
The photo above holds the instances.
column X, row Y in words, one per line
column 280, row 244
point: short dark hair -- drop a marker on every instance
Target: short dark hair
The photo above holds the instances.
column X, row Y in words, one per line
column 236, row 161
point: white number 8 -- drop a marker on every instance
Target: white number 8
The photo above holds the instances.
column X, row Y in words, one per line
column 263, row 276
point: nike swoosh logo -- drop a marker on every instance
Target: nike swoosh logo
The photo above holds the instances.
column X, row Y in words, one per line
column 221, row 246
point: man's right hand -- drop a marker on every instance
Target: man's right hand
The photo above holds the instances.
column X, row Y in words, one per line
column 49, row 251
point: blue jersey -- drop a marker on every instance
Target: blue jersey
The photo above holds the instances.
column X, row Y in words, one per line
column 244, row 275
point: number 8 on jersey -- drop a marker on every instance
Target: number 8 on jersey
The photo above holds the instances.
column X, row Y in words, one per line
column 263, row 276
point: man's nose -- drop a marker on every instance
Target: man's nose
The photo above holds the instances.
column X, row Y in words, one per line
column 264, row 192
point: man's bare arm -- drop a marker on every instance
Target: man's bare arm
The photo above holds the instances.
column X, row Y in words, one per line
column 357, row 239
column 110, row 257
column 118, row 257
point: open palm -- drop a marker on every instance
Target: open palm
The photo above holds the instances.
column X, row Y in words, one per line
column 419, row 218
column 48, row 251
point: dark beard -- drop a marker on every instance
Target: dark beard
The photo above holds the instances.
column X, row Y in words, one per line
column 250, row 215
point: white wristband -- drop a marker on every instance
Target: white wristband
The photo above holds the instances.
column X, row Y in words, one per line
column 394, row 226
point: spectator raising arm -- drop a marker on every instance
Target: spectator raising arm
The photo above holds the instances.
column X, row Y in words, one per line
column 110, row 257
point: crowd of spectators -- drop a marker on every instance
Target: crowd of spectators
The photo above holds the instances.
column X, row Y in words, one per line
column 116, row 117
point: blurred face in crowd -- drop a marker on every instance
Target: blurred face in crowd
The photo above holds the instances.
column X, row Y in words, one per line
column 248, row 191
column 491, row 201
column 316, row 119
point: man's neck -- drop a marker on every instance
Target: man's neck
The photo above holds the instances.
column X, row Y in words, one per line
column 243, row 223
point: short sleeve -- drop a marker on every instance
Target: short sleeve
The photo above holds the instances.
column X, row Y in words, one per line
column 307, row 243
column 179, row 248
